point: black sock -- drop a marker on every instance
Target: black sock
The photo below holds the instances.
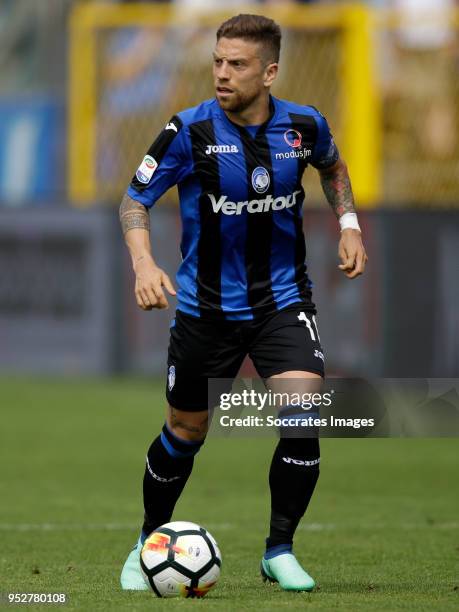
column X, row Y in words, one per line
column 292, row 478
column 168, row 466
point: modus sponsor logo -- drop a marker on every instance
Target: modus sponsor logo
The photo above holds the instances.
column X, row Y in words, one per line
column 298, row 153
column 252, row 206
column 293, row 138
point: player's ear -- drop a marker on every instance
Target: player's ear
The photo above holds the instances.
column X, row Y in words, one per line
column 270, row 74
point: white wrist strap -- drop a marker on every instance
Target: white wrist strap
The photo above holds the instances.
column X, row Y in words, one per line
column 349, row 221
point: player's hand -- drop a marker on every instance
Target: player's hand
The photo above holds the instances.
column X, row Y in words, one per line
column 149, row 283
column 352, row 253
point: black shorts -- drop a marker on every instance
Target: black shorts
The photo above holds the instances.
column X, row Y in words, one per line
column 200, row 349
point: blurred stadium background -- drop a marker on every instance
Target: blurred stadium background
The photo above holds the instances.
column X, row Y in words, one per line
column 84, row 88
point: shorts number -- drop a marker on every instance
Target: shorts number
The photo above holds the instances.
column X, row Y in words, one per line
column 303, row 317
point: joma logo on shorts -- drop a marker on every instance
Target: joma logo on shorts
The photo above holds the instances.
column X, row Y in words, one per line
column 252, row 206
column 221, row 149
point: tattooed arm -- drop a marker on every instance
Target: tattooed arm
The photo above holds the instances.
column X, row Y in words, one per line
column 336, row 185
column 337, row 188
column 149, row 278
column 134, row 215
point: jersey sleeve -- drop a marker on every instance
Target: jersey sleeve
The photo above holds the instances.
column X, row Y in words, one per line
column 326, row 152
column 167, row 162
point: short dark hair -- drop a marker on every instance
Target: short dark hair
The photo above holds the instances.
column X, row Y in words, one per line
column 255, row 28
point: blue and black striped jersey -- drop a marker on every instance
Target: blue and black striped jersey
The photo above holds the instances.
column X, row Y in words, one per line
column 243, row 248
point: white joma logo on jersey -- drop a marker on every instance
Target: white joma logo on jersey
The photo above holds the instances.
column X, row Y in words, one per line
column 252, row 206
column 221, row 149
column 171, row 126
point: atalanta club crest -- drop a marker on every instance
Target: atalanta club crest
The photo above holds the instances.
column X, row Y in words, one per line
column 293, row 138
column 260, row 179
column 171, row 377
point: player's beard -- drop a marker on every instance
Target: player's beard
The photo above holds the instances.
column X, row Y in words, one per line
column 237, row 102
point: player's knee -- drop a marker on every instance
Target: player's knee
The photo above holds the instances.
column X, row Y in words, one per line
column 188, row 434
column 188, row 426
column 299, row 430
column 177, row 446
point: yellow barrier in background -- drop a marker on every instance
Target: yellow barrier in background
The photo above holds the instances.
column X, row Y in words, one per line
column 327, row 60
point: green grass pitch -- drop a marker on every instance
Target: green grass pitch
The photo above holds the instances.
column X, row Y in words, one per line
column 381, row 532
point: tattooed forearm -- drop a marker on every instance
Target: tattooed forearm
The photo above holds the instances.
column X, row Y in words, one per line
column 133, row 215
column 337, row 189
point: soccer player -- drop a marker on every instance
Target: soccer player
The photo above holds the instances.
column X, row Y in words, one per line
column 238, row 161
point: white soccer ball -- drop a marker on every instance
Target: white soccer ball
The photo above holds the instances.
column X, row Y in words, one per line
column 180, row 559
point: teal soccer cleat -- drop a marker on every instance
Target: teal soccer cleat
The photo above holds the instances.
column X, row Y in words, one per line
column 286, row 570
column 131, row 575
